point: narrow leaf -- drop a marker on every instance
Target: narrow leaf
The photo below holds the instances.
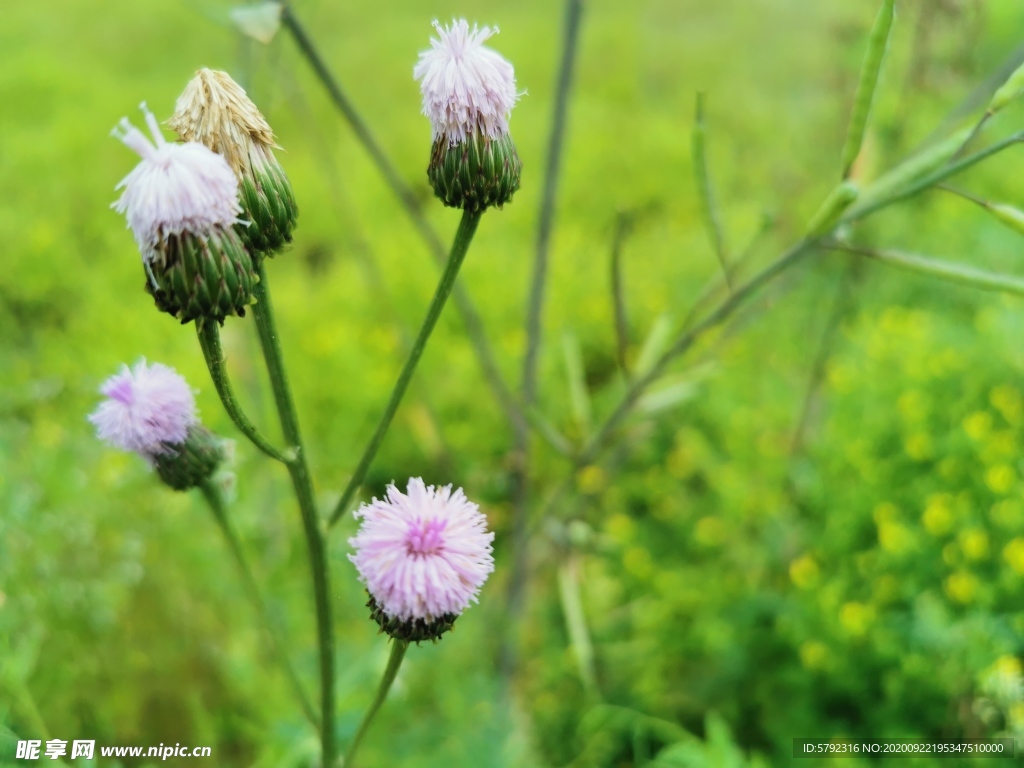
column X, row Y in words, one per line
column 1008, row 91
column 827, row 216
column 575, row 621
column 579, row 398
column 623, row 224
column 867, row 85
column 654, row 345
column 709, row 206
column 949, row 271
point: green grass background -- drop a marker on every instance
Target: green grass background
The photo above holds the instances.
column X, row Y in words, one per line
column 737, row 595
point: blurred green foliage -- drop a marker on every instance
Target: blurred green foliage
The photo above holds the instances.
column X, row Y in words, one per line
column 742, row 580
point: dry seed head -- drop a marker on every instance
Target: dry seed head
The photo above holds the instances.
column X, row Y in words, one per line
column 215, row 110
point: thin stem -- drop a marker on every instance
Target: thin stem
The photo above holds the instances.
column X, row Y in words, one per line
column 460, row 246
column 209, row 340
column 535, row 305
column 411, row 204
column 949, row 271
column 687, row 340
column 398, row 648
column 216, row 501
column 709, row 206
column 303, row 485
column 623, row 224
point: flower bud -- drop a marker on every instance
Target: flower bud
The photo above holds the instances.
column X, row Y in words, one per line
column 468, row 94
column 181, row 202
column 150, row 410
column 190, row 463
column 203, row 278
column 215, row 111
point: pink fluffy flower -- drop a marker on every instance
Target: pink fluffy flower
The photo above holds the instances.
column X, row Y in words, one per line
column 176, row 188
column 148, row 409
column 467, row 88
column 423, row 555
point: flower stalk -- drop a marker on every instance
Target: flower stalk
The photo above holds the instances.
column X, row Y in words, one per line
column 209, row 341
column 215, row 500
column 298, row 470
column 460, row 247
column 398, row 648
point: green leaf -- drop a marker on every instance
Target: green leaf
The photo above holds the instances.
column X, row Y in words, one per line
column 259, row 21
column 950, row 271
column 654, row 345
column 579, row 397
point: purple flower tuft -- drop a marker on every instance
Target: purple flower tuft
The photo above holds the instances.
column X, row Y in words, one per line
column 148, row 409
column 423, row 554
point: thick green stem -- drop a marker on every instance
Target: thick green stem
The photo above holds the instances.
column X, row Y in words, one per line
column 209, row 340
column 463, row 237
column 394, row 662
column 303, row 485
column 216, row 502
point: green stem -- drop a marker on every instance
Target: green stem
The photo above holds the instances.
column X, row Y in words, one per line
column 216, row 501
column 303, row 485
column 412, row 206
column 460, row 246
column 394, row 662
column 209, row 340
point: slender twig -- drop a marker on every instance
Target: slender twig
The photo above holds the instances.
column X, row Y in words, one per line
column 709, row 206
column 623, row 224
column 949, row 271
column 842, row 301
column 470, row 316
column 398, row 648
column 298, row 469
column 216, row 502
column 685, row 341
column 460, row 246
column 209, row 340
column 535, row 305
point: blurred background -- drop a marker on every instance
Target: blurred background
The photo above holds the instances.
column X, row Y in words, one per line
column 817, row 530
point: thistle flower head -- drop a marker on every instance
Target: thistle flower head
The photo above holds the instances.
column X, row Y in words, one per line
column 423, row 556
column 175, row 189
column 215, row 111
column 468, row 89
column 148, row 409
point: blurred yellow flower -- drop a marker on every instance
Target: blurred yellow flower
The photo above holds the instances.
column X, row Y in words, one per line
column 1013, row 553
column 938, row 518
column 974, row 543
column 637, row 562
column 885, row 512
column 918, row 446
column 1008, row 514
column 591, row 479
column 895, row 537
column 961, row 586
column 855, row 618
column 1007, row 400
column 1000, row 478
column 978, row 424
column 813, row 654
column 620, row 528
column 710, row 531
column 804, row 572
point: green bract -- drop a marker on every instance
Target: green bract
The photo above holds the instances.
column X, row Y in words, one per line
column 475, row 174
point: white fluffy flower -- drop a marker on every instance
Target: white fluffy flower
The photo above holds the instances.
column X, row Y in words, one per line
column 176, row 188
column 467, row 88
